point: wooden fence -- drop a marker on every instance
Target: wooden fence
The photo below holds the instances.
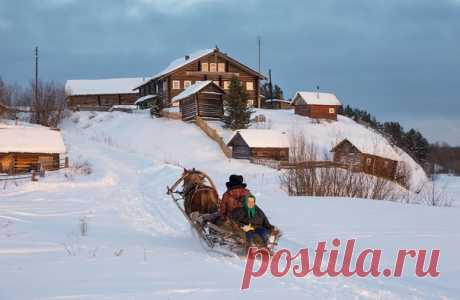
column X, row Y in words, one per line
column 284, row 165
column 212, row 134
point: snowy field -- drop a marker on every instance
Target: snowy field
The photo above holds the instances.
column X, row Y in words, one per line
column 139, row 246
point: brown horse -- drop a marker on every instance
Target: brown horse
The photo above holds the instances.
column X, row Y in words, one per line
column 198, row 196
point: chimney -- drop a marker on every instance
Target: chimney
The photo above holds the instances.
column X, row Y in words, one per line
column 187, row 57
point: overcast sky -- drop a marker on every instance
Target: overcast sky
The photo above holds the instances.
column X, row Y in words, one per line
column 398, row 59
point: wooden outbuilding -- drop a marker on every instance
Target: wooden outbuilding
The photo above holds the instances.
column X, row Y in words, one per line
column 264, row 144
column 277, row 104
column 23, row 149
column 101, row 94
column 203, row 99
column 379, row 160
column 146, row 102
column 316, row 105
column 202, row 65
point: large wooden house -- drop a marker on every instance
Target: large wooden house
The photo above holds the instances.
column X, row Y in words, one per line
column 316, row 105
column 379, row 160
column 263, row 144
column 210, row 64
column 23, row 149
column 101, row 94
column 202, row 99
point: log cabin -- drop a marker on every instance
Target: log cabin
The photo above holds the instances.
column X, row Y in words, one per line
column 316, row 105
column 23, row 149
column 263, row 144
column 101, row 94
column 376, row 160
column 202, row 99
column 203, row 65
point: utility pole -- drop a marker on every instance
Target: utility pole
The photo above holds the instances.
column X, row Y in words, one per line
column 270, row 86
column 258, row 43
column 36, row 75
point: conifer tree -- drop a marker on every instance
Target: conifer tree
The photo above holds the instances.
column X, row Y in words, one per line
column 237, row 112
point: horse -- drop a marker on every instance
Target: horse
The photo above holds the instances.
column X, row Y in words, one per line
column 198, row 196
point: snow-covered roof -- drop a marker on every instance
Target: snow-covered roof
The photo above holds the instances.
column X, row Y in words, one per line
column 182, row 61
column 194, row 88
column 262, row 138
column 278, row 100
column 316, row 98
column 375, row 147
column 102, row 86
column 22, row 139
column 143, row 98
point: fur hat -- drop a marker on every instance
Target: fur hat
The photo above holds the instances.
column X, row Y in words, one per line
column 234, row 181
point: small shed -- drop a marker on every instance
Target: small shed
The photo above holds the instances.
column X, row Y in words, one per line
column 316, row 105
column 259, row 144
column 277, row 104
column 146, row 102
column 379, row 160
column 23, row 149
column 203, row 99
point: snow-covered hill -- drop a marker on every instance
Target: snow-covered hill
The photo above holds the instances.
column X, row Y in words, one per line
column 139, row 246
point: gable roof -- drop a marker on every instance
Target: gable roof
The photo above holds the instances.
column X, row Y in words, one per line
column 195, row 88
column 192, row 57
column 22, row 139
column 364, row 145
column 102, row 86
column 316, row 98
column 262, row 138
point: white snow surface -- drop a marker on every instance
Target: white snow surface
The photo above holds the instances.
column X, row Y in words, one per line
column 102, row 86
column 317, row 98
column 30, row 139
column 139, row 246
column 263, row 138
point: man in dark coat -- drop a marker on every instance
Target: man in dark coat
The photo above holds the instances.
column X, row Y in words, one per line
column 252, row 220
column 232, row 198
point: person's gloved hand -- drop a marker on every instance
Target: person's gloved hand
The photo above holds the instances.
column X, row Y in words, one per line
column 247, row 228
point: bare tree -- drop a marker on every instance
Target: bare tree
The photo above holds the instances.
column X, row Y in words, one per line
column 48, row 106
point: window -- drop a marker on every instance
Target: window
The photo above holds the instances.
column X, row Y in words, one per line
column 249, row 86
column 226, row 85
column 212, row 67
column 176, row 84
column 250, row 103
column 187, row 83
column 368, row 161
column 221, row 67
column 204, row 67
column 332, row 110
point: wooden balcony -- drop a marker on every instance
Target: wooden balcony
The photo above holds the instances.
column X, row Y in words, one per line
column 213, row 74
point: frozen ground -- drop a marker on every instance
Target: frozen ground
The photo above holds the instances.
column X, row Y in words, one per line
column 138, row 245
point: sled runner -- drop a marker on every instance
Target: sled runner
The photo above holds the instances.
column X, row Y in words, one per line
column 198, row 201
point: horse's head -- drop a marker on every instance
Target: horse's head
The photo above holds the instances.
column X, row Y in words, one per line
column 192, row 177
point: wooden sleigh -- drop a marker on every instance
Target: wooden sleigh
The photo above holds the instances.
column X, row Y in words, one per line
column 216, row 238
